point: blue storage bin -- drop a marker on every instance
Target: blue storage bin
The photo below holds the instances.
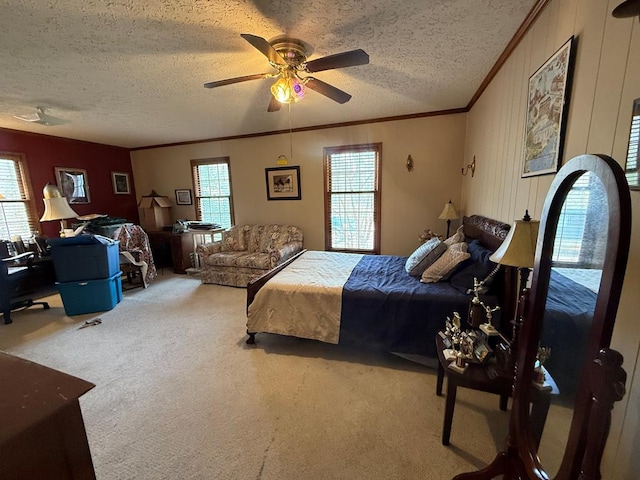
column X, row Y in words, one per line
column 86, row 257
column 91, row 295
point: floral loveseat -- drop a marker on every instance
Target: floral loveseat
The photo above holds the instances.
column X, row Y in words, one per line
column 246, row 252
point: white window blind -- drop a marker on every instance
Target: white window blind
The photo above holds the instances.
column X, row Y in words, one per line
column 633, row 177
column 16, row 214
column 572, row 223
column 212, row 186
column 353, row 198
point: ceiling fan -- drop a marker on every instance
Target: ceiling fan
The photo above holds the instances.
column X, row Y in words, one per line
column 289, row 57
column 41, row 117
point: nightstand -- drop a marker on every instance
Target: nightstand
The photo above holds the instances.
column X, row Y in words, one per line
column 486, row 378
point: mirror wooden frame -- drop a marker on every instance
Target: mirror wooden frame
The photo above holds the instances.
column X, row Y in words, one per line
column 602, row 379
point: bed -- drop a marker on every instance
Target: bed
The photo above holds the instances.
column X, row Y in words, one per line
column 568, row 314
column 369, row 300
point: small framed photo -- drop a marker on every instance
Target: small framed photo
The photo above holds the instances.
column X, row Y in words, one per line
column 183, row 196
column 120, row 181
column 73, row 184
column 283, row 183
column 481, row 349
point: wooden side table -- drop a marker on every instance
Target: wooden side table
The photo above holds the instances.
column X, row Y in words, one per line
column 480, row 377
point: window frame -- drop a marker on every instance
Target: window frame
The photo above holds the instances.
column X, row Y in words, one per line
column 196, row 191
column 33, row 217
column 376, row 148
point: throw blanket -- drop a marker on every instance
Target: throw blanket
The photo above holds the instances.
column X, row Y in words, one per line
column 305, row 299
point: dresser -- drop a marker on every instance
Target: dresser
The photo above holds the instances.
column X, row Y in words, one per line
column 43, row 434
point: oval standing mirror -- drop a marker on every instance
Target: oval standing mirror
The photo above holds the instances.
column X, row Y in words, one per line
column 581, row 256
column 576, row 269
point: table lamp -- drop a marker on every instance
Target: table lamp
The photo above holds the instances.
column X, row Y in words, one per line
column 56, row 207
column 519, row 250
column 449, row 213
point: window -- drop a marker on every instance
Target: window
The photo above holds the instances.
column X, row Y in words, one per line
column 212, row 187
column 633, row 153
column 17, row 212
column 352, row 198
column 579, row 241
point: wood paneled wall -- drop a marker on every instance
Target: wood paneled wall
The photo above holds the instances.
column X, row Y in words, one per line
column 605, row 82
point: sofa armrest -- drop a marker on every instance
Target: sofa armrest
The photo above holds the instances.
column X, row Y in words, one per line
column 279, row 255
column 206, row 249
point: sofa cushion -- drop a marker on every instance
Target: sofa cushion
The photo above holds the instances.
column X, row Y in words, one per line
column 234, row 239
column 239, row 259
column 254, row 237
column 275, row 237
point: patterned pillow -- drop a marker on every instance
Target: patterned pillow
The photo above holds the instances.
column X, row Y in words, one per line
column 456, row 237
column 424, row 256
column 446, row 264
column 233, row 240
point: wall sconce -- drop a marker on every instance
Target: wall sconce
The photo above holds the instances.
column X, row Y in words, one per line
column 471, row 166
column 409, row 163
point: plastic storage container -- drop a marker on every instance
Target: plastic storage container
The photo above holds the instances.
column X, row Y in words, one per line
column 91, row 295
column 86, row 257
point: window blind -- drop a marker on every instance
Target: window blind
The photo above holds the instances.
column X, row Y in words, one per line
column 633, row 177
column 572, row 222
column 212, row 186
column 352, row 198
column 17, row 217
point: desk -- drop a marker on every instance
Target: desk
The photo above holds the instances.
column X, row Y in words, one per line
column 43, row 434
column 173, row 249
column 476, row 377
column 25, row 281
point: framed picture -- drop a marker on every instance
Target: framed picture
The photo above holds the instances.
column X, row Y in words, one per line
column 183, row 197
column 73, row 184
column 547, row 108
column 283, row 183
column 120, row 181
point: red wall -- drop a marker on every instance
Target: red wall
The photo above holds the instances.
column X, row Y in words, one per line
column 44, row 152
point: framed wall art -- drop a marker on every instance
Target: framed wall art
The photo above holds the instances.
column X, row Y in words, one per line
column 120, row 181
column 73, row 184
column 547, row 108
column 283, row 183
column 183, row 197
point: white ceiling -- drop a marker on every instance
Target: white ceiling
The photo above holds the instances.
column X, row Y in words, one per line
column 130, row 73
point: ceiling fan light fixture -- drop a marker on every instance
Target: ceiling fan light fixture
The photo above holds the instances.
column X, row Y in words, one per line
column 288, row 89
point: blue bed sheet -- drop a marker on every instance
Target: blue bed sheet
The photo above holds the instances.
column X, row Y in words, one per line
column 567, row 322
column 386, row 309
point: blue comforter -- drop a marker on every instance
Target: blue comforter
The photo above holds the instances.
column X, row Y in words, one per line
column 386, row 309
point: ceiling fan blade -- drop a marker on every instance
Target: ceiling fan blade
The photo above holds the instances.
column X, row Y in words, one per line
column 274, row 105
column 229, row 81
column 339, row 60
column 327, row 90
column 265, row 48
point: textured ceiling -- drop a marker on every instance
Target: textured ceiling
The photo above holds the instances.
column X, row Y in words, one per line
column 131, row 73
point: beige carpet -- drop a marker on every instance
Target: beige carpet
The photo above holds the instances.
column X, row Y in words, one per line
column 179, row 395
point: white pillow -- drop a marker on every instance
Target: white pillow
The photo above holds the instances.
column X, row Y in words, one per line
column 456, row 237
column 424, row 256
column 446, row 264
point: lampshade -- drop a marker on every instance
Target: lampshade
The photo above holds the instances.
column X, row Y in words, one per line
column 55, row 205
column 288, row 89
column 519, row 248
column 449, row 212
